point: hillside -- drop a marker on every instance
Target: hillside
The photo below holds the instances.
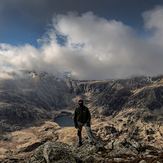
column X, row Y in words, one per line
column 127, row 119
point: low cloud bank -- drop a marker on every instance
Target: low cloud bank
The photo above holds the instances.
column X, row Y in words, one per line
column 91, row 47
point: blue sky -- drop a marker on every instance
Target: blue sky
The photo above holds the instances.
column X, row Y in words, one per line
column 23, row 21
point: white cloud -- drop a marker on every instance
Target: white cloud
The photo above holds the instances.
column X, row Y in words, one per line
column 96, row 48
column 153, row 21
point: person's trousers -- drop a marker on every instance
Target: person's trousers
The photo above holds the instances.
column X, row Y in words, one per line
column 88, row 131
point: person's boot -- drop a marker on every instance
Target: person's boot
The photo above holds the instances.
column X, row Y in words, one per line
column 91, row 143
column 79, row 138
column 80, row 143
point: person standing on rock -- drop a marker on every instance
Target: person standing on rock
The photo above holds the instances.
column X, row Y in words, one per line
column 82, row 117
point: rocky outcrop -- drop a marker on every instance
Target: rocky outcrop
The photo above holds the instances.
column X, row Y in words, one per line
column 50, row 144
column 53, row 152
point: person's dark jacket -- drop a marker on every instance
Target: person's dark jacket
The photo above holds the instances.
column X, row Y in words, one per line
column 82, row 114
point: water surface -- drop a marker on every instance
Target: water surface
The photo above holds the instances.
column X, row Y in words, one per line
column 64, row 121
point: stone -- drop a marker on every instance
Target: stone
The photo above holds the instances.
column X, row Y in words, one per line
column 142, row 161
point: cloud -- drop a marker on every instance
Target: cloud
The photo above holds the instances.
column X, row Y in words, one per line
column 94, row 48
column 153, row 21
column 5, row 75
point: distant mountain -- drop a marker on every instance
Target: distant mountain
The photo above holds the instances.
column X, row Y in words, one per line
column 30, row 96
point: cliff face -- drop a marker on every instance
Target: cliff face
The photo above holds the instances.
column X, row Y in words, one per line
column 31, row 99
column 127, row 118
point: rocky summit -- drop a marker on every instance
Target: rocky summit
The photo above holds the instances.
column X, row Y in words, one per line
column 127, row 119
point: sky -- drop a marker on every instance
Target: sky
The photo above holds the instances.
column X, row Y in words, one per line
column 93, row 39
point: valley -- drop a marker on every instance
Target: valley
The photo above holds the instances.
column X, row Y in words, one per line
column 36, row 119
